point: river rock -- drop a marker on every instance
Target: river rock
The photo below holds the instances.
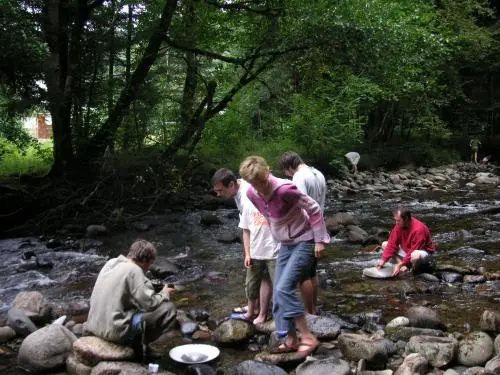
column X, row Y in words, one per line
column 209, row 219
column 355, row 347
column 493, row 365
column 439, row 351
column 19, row 322
column 423, row 317
column 486, row 178
column 474, row 279
column 251, row 367
column 490, row 321
column 46, row 349
column 35, row 306
column 413, row 364
column 323, row 327
column 233, row 331
column 75, row 367
column 400, row 321
column 6, row 334
column 163, row 267
column 325, row 366
column 123, row 368
column 475, row 349
column 90, row 350
column 355, row 234
column 95, row 230
column 452, row 277
column 496, row 344
column 342, row 218
column 405, row 333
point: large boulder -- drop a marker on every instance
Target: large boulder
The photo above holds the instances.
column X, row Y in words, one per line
column 250, row 367
column 46, row 349
column 475, row 349
column 326, row 366
column 423, row 317
column 439, row 351
column 123, row 368
column 233, row 331
column 19, row 322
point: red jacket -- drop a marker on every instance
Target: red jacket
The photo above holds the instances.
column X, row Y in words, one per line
column 416, row 237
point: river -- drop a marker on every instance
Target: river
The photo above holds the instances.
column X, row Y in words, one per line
column 212, row 273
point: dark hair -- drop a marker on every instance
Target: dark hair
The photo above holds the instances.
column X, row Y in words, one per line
column 142, row 251
column 290, row 159
column 224, row 176
column 404, row 213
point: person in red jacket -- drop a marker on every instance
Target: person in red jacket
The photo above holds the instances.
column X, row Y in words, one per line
column 410, row 243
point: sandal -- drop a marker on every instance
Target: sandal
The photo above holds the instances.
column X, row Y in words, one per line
column 242, row 316
column 240, row 310
column 284, row 348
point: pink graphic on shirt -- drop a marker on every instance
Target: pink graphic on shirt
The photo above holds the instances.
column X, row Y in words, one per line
column 259, row 219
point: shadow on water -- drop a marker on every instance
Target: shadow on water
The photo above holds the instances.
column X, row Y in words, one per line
column 212, row 274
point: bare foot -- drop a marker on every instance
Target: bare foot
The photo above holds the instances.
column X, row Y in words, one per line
column 259, row 320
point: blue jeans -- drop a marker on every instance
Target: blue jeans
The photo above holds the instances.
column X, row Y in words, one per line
column 294, row 264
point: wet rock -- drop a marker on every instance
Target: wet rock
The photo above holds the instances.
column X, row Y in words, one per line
column 342, row 218
column 486, row 178
column 209, row 220
column 323, row 327
column 86, row 244
column 355, row 234
column 19, row 322
column 53, row 244
column 163, row 267
column 355, row 347
column 200, row 369
column 90, row 350
column 423, row 317
column 493, row 365
column 123, row 368
column 325, row 366
column 413, row 364
column 199, row 315
column 141, row 226
column 75, row 367
column 6, row 334
column 229, row 237
column 451, row 277
column 474, row 279
column 405, row 333
column 475, row 349
column 35, row 306
column 46, row 349
column 439, row 351
column 490, row 321
column 496, row 344
column 250, row 367
column 400, row 321
column 233, row 331
column 95, row 230
column 202, row 335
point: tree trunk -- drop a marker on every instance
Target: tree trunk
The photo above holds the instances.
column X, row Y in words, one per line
column 106, row 135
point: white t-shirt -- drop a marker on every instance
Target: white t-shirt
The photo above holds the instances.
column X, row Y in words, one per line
column 310, row 181
column 241, row 196
column 262, row 243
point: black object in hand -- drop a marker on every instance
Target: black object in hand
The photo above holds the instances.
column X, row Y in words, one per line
column 157, row 285
column 171, row 286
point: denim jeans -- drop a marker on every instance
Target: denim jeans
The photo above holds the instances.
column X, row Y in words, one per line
column 293, row 265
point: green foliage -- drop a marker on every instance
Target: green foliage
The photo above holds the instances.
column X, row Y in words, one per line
column 35, row 159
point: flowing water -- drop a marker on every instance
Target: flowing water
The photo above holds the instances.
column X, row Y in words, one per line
column 212, row 273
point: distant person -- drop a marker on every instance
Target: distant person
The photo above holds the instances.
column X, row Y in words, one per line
column 474, row 148
column 297, row 223
column 410, row 243
column 310, row 181
column 353, row 158
column 124, row 307
column 226, row 185
column 261, row 251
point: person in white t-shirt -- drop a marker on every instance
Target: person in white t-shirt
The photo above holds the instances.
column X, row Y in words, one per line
column 311, row 182
column 226, row 185
column 261, row 251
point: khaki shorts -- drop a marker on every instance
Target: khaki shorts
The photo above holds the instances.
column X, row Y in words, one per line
column 260, row 270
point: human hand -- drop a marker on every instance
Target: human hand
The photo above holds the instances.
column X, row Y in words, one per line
column 380, row 264
column 169, row 288
column 397, row 269
column 319, row 249
column 248, row 262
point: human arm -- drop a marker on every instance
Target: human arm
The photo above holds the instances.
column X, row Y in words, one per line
column 142, row 292
column 392, row 246
column 246, row 247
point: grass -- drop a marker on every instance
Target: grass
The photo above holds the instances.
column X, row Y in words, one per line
column 34, row 160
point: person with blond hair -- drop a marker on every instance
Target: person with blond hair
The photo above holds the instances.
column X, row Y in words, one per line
column 297, row 223
column 124, row 306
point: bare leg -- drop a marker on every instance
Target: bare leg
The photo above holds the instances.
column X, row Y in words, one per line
column 307, row 339
column 266, row 291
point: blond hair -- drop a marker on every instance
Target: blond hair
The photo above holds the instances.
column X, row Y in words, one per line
column 254, row 168
column 142, row 251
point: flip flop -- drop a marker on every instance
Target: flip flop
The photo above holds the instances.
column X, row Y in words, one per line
column 311, row 348
column 284, row 348
column 242, row 316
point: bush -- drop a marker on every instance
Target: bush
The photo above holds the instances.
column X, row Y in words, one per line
column 35, row 159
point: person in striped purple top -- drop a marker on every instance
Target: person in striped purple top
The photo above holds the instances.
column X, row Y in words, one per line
column 297, row 222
